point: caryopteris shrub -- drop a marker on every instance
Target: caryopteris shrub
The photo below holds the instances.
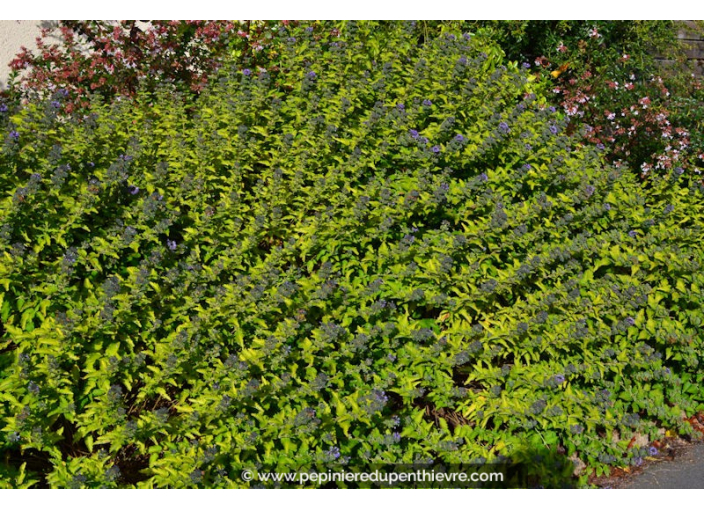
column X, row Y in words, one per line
column 387, row 253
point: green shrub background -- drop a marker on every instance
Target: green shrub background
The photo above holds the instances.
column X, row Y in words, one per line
column 382, row 252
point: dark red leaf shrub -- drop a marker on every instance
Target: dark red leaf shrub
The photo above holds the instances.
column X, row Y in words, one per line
column 115, row 58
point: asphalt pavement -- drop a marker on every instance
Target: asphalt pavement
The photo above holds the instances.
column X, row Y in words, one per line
column 685, row 471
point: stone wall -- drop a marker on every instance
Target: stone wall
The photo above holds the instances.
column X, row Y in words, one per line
column 692, row 38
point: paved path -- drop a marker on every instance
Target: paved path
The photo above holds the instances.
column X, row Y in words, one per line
column 686, row 471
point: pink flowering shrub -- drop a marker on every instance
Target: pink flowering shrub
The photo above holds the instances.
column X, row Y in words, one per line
column 605, row 79
column 620, row 105
column 625, row 115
